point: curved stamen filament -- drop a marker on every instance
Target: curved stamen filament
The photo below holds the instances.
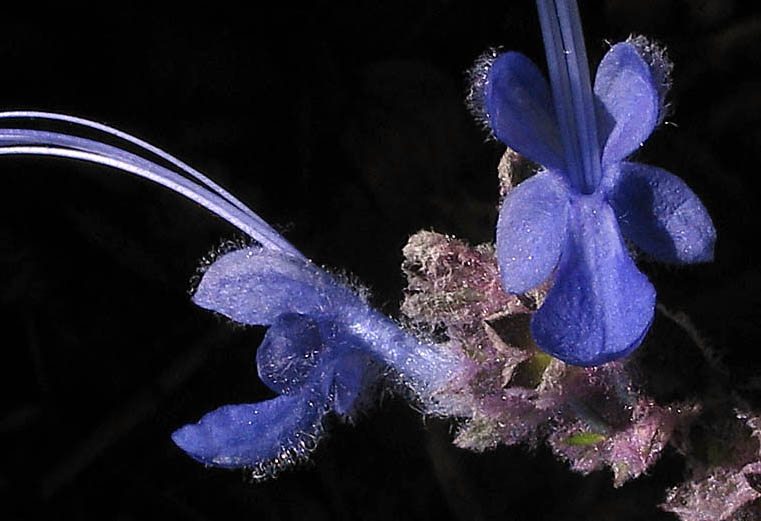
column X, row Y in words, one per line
column 52, row 116
column 35, row 142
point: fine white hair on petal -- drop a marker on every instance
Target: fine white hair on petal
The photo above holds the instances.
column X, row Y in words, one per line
column 661, row 67
column 478, row 75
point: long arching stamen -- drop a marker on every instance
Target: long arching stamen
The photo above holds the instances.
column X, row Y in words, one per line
column 571, row 90
column 9, row 137
column 52, row 116
column 111, row 156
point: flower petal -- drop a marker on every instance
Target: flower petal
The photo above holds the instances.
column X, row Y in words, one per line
column 660, row 68
column 628, row 102
column 268, row 435
column 661, row 215
column 255, row 286
column 600, row 305
column 289, row 352
column 519, row 109
column 354, row 373
column 531, row 231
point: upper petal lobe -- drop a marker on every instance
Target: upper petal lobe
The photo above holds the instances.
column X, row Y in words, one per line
column 519, row 108
column 255, row 286
column 628, row 102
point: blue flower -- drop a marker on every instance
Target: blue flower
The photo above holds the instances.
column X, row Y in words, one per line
column 310, row 356
column 571, row 218
column 325, row 348
column 324, row 352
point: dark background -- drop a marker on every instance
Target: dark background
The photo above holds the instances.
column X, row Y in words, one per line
column 346, row 128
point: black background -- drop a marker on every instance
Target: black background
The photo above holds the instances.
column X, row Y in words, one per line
column 345, row 127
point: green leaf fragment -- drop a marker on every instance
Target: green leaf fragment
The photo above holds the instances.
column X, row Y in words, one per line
column 529, row 373
column 584, row 439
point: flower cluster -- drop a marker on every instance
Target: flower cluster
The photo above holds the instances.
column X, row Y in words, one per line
column 594, row 418
column 558, row 290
